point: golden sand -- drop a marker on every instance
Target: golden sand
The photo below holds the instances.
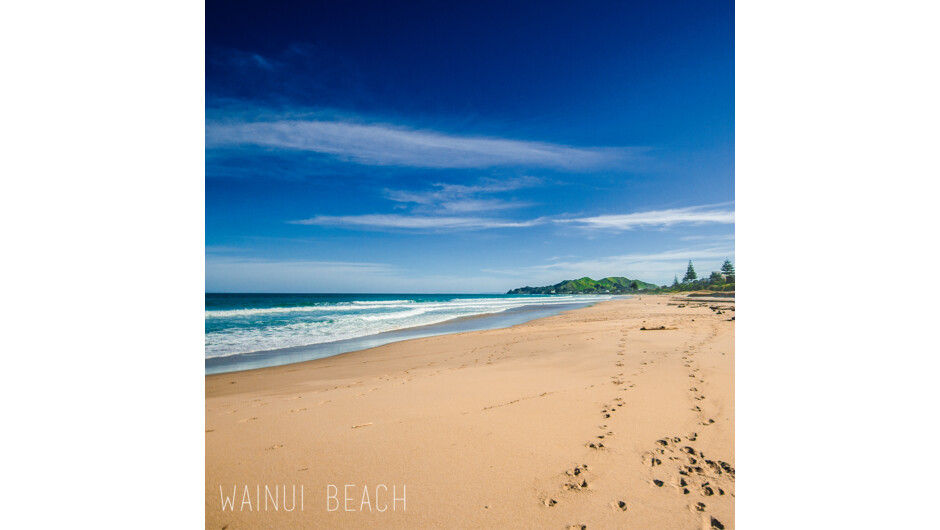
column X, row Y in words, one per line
column 580, row 419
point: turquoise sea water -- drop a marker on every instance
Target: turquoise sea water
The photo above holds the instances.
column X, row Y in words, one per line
column 253, row 330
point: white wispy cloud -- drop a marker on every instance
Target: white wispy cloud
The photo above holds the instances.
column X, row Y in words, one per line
column 388, row 145
column 442, row 207
column 714, row 237
column 448, row 200
column 214, row 249
column 415, row 222
column 239, row 59
column 459, row 198
column 655, row 218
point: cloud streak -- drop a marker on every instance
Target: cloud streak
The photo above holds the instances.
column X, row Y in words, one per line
column 655, row 218
column 446, row 203
column 415, row 222
column 387, row 145
column 459, row 198
column 238, row 59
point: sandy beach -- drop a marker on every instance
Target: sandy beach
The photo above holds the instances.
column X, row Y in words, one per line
column 582, row 419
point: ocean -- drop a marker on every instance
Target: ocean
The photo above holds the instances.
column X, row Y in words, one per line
column 245, row 331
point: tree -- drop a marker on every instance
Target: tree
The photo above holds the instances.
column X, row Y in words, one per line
column 675, row 281
column 727, row 268
column 715, row 277
column 690, row 273
column 634, row 286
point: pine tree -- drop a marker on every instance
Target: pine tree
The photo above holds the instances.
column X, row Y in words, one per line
column 690, row 273
column 675, row 281
column 727, row 268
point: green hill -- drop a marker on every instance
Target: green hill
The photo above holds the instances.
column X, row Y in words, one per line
column 611, row 284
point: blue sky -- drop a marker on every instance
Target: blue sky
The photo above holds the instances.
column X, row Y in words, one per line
column 431, row 147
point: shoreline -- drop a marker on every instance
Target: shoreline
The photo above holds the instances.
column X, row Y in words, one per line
column 550, row 423
column 240, row 362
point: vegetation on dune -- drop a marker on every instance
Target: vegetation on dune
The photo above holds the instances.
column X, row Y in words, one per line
column 727, row 268
column 722, row 280
column 690, row 273
column 716, row 281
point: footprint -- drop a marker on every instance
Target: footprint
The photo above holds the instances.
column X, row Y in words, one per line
column 574, row 472
column 577, row 486
column 727, row 468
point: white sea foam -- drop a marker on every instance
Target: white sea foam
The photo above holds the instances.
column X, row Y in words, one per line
column 345, row 306
column 318, row 324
